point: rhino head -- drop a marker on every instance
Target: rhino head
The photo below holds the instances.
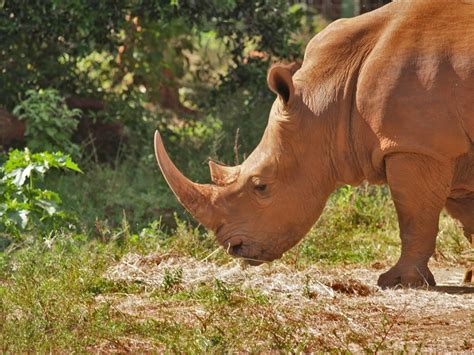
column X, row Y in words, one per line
column 263, row 207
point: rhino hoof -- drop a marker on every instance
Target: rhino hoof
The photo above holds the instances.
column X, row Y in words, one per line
column 414, row 278
column 469, row 276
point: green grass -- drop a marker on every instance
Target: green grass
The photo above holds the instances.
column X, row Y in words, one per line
column 54, row 296
column 358, row 225
column 58, row 300
column 134, row 189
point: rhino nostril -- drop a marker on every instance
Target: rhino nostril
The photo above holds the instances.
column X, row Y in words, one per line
column 234, row 250
column 234, row 246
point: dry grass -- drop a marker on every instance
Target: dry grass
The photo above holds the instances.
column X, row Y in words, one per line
column 278, row 307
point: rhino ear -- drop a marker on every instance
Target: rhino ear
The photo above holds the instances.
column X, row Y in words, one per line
column 280, row 82
column 223, row 175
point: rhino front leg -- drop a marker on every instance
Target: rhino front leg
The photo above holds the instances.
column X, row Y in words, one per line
column 420, row 186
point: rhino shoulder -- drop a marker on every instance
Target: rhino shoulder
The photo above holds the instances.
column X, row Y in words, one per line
column 416, row 85
column 345, row 38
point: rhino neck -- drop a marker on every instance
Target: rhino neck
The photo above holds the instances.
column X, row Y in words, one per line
column 336, row 154
column 328, row 79
column 346, row 147
column 354, row 146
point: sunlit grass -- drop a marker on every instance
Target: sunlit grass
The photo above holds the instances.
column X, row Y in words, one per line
column 55, row 296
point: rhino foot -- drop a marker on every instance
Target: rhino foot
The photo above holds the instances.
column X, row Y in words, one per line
column 412, row 276
column 469, row 276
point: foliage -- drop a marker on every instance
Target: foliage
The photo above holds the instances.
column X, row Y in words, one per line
column 149, row 46
column 42, row 40
column 25, row 205
column 50, row 124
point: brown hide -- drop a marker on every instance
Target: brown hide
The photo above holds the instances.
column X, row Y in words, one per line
column 425, row 61
column 385, row 97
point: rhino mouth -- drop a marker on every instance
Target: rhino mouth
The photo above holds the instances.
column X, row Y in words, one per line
column 251, row 254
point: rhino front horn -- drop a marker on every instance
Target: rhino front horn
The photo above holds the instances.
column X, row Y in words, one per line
column 196, row 198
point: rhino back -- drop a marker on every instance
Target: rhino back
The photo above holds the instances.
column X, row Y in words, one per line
column 416, row 87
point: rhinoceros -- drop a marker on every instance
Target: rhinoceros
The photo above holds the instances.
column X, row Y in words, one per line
column 386, row 97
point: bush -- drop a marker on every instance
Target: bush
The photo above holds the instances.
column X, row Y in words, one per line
column 24, row 205
column 50, row 124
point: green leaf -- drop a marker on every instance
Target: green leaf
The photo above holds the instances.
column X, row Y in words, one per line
column 20, row 175
column 72, row 166
column 49, row 206
column 51, row 131
column 19, row 217
column 40, row 168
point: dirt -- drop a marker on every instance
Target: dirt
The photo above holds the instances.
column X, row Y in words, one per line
column 349, row 304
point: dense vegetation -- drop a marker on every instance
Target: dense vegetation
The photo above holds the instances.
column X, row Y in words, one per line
column 80, row 188
column 96, row 84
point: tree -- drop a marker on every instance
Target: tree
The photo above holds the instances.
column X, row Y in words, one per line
column 42, row 41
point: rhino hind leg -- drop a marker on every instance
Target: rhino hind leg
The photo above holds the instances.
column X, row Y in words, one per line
column 420, row 186
column 462, row 208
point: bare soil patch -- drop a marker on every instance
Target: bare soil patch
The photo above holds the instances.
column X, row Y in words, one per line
column 338, row 307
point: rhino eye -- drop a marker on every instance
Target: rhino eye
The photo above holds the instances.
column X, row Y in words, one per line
column 259, row 187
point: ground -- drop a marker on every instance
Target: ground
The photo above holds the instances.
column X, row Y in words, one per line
column 311, row 309
column 176, row 291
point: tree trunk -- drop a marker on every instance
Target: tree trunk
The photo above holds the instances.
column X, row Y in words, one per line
column 12, row 130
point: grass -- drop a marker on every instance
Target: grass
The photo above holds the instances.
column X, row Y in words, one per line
column 57, row 295
column 107, row 193
column 57, row 300
column 357, row 226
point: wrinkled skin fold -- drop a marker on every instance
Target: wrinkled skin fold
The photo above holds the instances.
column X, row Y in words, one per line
column 385, row 97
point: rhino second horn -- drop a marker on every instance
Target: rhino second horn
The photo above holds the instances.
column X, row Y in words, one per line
column 196, row 198
column 223, row 175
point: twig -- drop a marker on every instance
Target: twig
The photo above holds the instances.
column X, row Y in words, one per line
column 236, row 146
column 211, row 254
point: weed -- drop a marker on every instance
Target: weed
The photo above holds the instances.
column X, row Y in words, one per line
column 223, row 291
column 172, row 279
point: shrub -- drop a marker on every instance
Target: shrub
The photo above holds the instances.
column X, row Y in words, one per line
column 50, row 124
column 25, row 206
